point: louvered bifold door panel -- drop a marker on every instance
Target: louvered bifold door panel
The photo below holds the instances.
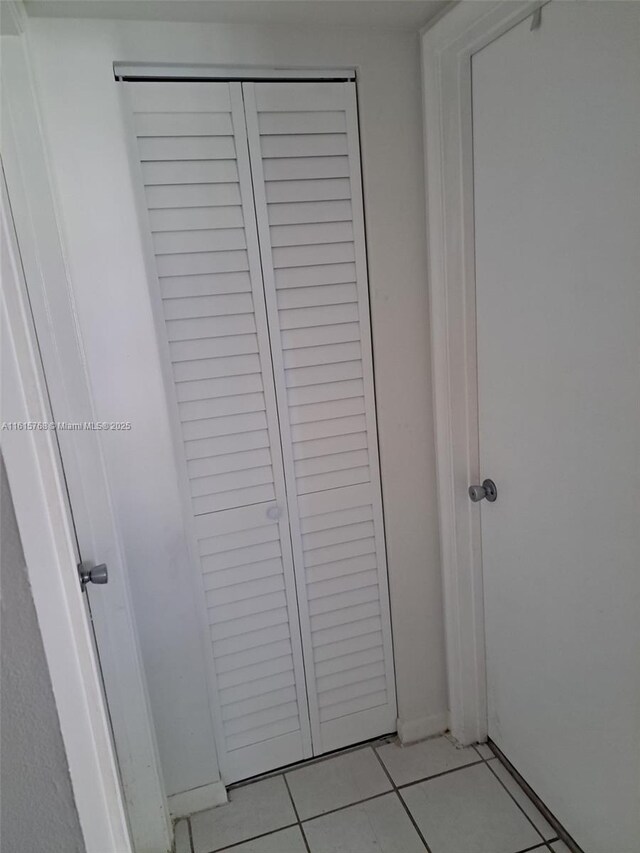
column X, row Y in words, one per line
column 303, row 141
column 209, row 297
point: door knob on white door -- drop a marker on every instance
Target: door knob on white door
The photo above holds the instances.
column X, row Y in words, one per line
column 274, row 512
column 487, row 490
column 88, row 573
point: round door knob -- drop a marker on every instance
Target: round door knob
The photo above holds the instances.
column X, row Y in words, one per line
column 274, row 512
column 92, row 574
column 487, row 490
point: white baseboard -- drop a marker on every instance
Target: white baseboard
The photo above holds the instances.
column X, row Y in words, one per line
column 410, row 731
column 197, row 799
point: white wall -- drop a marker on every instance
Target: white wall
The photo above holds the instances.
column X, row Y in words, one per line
column 83, row 119
column 38, row 807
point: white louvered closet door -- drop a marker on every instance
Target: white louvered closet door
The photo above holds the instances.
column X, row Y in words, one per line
column 304, row 149
column 209, row 300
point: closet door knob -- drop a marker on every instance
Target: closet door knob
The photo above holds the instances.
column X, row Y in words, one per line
column 274, row 512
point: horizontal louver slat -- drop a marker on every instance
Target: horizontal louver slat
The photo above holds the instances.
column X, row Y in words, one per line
column 182, row 124
column 234, row 480
column 308, row 190
column 225, row 386
column 349, row 661
column 325, row 429
column 339, row 551
column 219, row 578
column 179, row 98
column 329, row 446
column 333, row 536
column 226, row 444
column 312, row 255
column 362, row 672
column 260, row 718
column 290, row 213
column 195, row 218
column 324, row 354
column 237, row 592
column 310, row 297
column 202, row 263
column 236, row 497
column 164, row 172
column 329, row 520
column 252, row 639
column 272, row 699
column 361, row 635
column 229, row 462
column 238, row 539
column 339, row 408
column 192, row 195
column 340, row 568
column 213, row 347
column 240, row 403
column 352, row 706
column 204, row 284
column 326, row 121
column 304, row 145
column 344, row 389
column 239, row 660
column 343, row 617
column 198, row 240
column 319, row 336
column 331, row 462
column 212, row 368
column 186, row 147
column 207, row 306
column 325, row 273
column 311, row 233
column 263, row 733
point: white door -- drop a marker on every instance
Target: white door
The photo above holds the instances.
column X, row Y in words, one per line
column 251, row 200
column 305, row 162
column 556, row 129
column 46, row 293
column 209, row 300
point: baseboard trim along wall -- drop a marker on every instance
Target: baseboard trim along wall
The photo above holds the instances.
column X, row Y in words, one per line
column 197, row 799
column 410, row 731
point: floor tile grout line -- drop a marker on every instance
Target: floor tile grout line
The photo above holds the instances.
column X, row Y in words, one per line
column 491, row 770
column 348, row 806
column 402, row 802
column 438, row 775
column 295, row 811
column 494, row 757
column 547, row 842
column 253, row 838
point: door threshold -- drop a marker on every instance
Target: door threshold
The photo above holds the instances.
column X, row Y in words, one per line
column 317, row 759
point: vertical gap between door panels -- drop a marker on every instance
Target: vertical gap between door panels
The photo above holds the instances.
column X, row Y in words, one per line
column 270, row 367
column 373, row 381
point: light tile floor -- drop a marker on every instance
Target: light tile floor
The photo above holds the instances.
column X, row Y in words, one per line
column 378, row 798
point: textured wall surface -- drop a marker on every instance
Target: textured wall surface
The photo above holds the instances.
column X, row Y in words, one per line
column 38, row 811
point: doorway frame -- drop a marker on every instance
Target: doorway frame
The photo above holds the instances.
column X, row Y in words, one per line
column 447, row 49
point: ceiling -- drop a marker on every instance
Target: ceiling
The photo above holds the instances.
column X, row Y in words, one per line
column 407, row 15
